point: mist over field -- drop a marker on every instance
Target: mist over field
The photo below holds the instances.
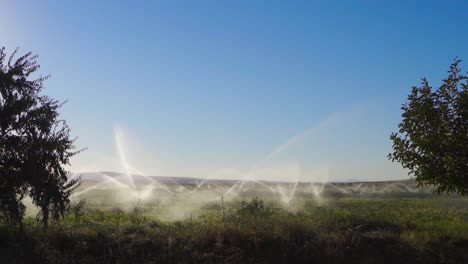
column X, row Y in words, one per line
column 184, row 197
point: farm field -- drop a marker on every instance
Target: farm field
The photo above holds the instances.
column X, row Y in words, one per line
column 355, row 223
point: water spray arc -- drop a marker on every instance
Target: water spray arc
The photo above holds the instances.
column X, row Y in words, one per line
column 135, row 184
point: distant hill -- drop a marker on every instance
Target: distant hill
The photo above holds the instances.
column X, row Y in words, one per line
column 142, row 179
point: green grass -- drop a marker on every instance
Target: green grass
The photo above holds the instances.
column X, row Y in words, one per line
column 345, row 230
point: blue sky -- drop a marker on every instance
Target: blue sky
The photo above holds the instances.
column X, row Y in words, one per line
column 213, row 88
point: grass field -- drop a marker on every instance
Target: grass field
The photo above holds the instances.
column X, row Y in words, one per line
column 353, row 228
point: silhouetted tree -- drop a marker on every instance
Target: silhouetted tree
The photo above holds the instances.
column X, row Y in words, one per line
column 432, row 141
column 34, row 143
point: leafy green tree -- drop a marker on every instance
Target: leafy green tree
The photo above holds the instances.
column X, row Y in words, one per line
column 34, row 143
column 432, row 141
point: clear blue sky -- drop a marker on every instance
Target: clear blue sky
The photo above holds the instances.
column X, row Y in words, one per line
column 225, row 88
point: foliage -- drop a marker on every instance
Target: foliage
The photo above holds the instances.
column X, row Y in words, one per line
column 34, row 143
column 432, row 141
column 250, row 212
column 77, row 208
